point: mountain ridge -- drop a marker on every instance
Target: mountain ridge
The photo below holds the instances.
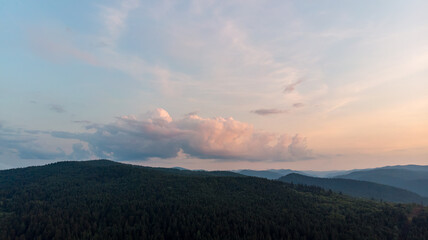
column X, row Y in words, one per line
column 357, row 188
column 411, row 180
column 107, row 200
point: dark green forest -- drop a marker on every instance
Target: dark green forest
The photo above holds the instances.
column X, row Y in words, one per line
column 107, row 200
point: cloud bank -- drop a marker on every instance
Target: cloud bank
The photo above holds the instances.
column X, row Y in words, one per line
column 25, row 145
column 160, row 136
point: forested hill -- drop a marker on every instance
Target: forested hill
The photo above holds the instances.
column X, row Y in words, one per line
column 412, row 178
column 262, row 174
column 107, row 200
column 356, row 188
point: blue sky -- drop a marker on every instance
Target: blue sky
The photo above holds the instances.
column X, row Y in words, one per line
column 213, row 84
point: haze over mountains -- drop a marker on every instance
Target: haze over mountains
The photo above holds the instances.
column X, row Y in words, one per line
column 412, row 178
column 406, row 184
column 401, row 183
column 356, row 188
column 277, row 173
column 271, row 173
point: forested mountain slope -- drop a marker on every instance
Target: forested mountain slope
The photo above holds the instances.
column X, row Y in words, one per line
column 107, row 200
column 262, row 174
column 411, row 178
column 357, row 188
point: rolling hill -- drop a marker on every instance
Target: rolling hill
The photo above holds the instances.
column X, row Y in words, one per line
column 357, row 188
column 411, row 178
column 108, row 200
column 277, row 173
column 261, row 173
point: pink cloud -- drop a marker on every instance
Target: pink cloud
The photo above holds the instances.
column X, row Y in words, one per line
column 269, row 111
column 298, row 105
column 163, row 137
column 292, row 86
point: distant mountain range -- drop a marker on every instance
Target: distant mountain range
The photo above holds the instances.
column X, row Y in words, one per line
column 277, row 173
column 404, row 184
column 401, row 183
column 413, row 178
column 264, row 174
column 402, row 172
column 356, row 188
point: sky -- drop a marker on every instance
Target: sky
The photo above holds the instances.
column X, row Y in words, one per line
column 305, row 85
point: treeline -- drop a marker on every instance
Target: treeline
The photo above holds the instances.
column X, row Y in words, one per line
column 106, row 200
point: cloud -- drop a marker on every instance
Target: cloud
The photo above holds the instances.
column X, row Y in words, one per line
column 159, row 136
column 82, row 121
column 56, row 46
column 34, row 153
column 270, row 111
column 24, row 144
column 114, row 19
column 298, row 105
column 340, row 103
column 36, row 132
column 79, row 152
column 56, row 108
column 192, row 113
column 35, row 145
column 292, row 86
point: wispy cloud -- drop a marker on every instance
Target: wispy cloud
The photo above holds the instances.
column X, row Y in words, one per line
column 36, row 145
column 292, row 86
column 114, row 19
column 192, row 113
column 269, row 111
column 25, row 145
column 298, row 105
column 55, row 44
column 82, row 121
column 56, row 108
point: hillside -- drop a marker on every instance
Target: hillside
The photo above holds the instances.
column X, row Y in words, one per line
column 107, row 200
column 405, row 177
column 357, row 188
column 419, row 168
column 261, row 173
column 277, row 173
